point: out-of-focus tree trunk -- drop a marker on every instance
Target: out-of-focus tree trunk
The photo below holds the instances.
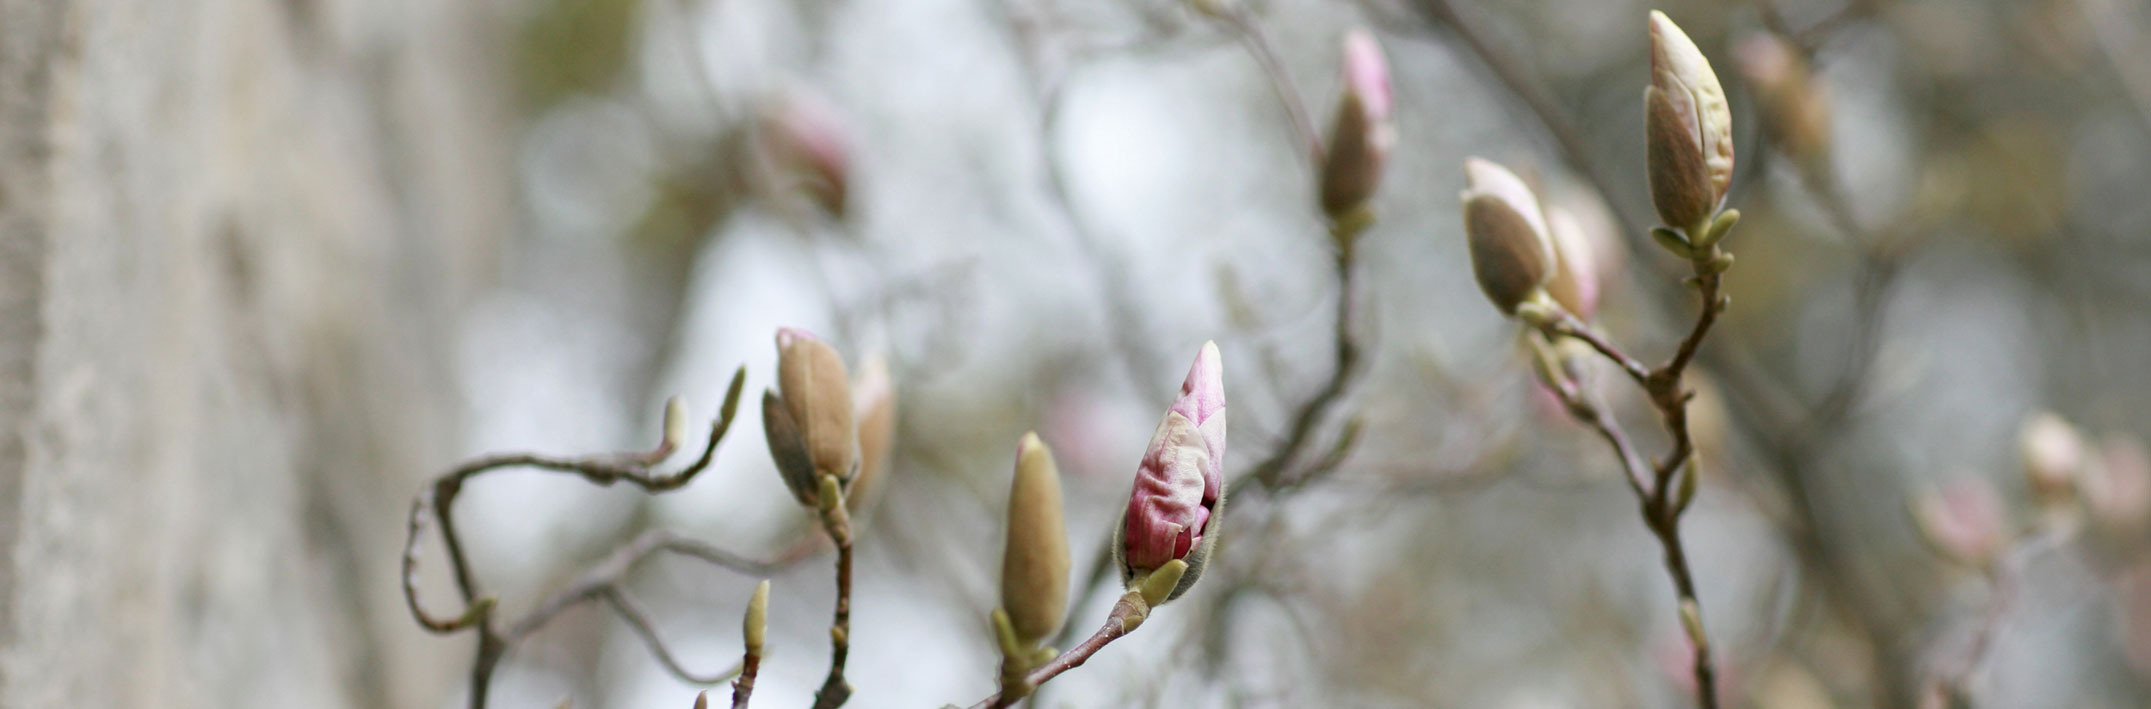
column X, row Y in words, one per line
column 233, row 238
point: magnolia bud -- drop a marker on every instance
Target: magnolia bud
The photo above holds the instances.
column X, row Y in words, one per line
column 1362, row 133
column 1575, row 279
column 675, row 424
column 1511, row 254
column 2052, row 453
column 873, row 405
column 804, row 141
column 2117, row 491
column 1178, row 501
column 1963, row 520
column 1795, row 108
column 1689, row 129
column 1034, row 565
column 757, row 620
column 787, row 450
column 808, row 420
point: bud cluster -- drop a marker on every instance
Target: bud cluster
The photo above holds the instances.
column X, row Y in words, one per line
column 808, row 418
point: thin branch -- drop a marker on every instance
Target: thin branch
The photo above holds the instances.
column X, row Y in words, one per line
column 1566, row 325
column 835, row 691
column 1573, row 147
column 1116, row 625
column 743, row 688
column 1662, row 498
column 640, row 622
column 602, row 581
column 2006, row 578
column 1275, row 472
column 1242, row 23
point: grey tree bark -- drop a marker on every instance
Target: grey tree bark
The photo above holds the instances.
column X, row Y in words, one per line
column 234, row 237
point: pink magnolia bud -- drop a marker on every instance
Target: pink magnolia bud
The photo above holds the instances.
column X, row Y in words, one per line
column 1179, row 486
column 2117, row 491
column 1362, row 133
column 1511, row 254
column 1690, row 128
column 806, row 142
column 1964, row 520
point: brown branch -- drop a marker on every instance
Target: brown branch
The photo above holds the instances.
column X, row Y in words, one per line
column 1124, row 617
column 835, row 691
column 2006, row 579
column 1566, row 325
column 639, row 621
column 743, row 688
column 1243, row 25
column 1275, row 472
column 1573, row 147
column 1661, row 496
column 601, row 582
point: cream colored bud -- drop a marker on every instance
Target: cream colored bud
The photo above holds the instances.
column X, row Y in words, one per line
column 757, row 620
column 1034, row 564
column 873, row 403
column 1575, row 279
column 2053, row 454
column 1511, row 254
column 675, row 423
column 787, row 450
column 1689, row 129
column 817, row 394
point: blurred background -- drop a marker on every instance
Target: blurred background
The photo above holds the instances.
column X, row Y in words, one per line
column 266, row 268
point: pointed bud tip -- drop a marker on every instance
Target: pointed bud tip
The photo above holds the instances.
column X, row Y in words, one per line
column 756, row 622
column 1034, row 563
column 1366, row 73
column 786, row 336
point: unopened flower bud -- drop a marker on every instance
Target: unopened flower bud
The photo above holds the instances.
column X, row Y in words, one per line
column 1511, row 254
column 2117, row 491
column 1362, row 133
column 675, row 424
column 1575, row 279
column 1794, row 107
column 1964, row 520
column 873, row 404
column 1178, row 501
column 1689, row 129
column 808, row 420
column 2053, row 455
column 1034, row 565
column 753, row 626
column 806, row 146
column 788, row 451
